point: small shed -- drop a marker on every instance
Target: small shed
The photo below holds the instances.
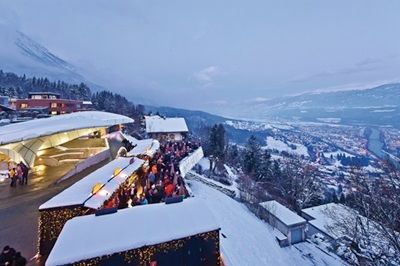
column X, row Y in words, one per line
column 183, row 233
column 170, row 128
column 286, row 221
column 83, row 197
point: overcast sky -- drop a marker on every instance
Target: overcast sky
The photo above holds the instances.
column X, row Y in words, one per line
column 209, row 54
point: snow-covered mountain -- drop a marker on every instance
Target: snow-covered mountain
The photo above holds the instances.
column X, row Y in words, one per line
column 22, row 55
column 384, row 96
column 378, row 105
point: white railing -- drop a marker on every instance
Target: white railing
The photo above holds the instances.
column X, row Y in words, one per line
column 189, row 162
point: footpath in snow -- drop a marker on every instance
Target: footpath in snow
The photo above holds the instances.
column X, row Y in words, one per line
column 247, row 240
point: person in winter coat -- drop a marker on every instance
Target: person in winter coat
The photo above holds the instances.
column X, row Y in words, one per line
column 19, row 260
column 19, row 173
column 25, row 172
column 7, row 256
column 169, row 189
column 143, row 200
column 12, row 174
column 152, row 178
column 154, row 169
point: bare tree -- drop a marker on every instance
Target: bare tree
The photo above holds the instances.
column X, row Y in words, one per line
column 375, row 232
column 298, row 184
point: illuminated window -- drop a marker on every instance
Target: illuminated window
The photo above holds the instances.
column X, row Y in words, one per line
column 53, row 105
column 24, row 105
column 53, row 112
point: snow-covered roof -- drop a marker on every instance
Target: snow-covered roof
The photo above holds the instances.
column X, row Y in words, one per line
column 328, row 216
column 92, row 236
column 97, row 200
column 79, row 192
column 143, row 147
column 157, row 124
column 282, row 213
column 61, row 123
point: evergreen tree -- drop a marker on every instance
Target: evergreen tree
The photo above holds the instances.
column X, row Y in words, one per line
column 233, row 155
column 217, row 145
column 264, row 169
column 252, row 156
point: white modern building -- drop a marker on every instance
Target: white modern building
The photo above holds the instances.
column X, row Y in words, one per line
column 27, row 140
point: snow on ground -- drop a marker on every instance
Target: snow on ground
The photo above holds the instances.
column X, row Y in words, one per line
column 335, row 153
column 330, row 119
column 3, row 175
column 372, row 169
column 383, row 111
column 257, row 125
column 233, row 177
column 250, row 241
column 248, row 125
column 204, row 163
column 230, row 172
column 282, row 146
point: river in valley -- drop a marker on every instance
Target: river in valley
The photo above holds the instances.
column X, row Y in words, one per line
column 375, row 145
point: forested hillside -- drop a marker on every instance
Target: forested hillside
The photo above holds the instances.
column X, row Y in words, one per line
column 16, row 86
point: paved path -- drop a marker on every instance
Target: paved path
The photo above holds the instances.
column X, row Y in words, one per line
column 19, row 209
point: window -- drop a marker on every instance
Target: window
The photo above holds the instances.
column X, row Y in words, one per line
column 24, row 105
column 53, row 112
column 53, row 105
column 37, row 97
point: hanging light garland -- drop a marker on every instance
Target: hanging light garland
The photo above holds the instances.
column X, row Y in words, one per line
column 51, row 223
column 144, row 255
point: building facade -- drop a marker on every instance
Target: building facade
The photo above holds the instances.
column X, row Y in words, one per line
column 166, row 128
column 50, row 100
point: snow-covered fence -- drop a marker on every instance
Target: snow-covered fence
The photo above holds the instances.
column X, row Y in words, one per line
column 189, row 162
column 210, row 183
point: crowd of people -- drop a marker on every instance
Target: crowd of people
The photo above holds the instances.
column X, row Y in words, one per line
column 10, row 257
column 162, row 179
column 18, row 174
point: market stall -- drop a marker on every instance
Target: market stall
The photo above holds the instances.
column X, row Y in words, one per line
column 144, row 147
column 183, row 233
column 84, row 197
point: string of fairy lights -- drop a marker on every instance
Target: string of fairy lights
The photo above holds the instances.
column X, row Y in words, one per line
column 51, row 223
column 145, row 255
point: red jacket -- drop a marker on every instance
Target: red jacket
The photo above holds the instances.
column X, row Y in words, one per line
column 169, row 190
